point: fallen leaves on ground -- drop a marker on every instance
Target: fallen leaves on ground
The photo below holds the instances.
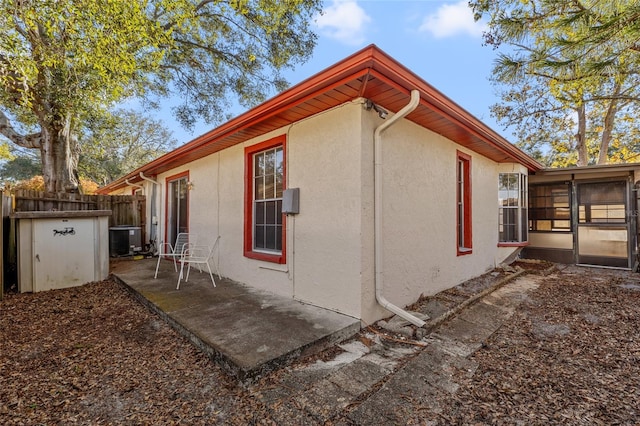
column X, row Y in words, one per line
column 94, row 355
column 569, row 355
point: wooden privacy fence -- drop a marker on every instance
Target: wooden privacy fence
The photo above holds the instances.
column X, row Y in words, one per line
column 7, row 256
column 126, row 210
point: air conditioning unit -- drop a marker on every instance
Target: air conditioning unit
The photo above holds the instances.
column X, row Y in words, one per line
column 124, row 240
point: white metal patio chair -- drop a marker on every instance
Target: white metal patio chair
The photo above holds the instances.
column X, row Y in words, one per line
column 174, row 251
column 198, row 255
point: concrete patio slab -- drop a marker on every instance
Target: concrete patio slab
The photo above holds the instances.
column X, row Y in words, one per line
column 248, row 332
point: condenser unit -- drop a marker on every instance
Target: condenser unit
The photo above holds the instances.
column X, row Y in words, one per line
column 124, row 240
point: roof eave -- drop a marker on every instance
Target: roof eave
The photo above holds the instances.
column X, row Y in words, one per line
column 368, row 60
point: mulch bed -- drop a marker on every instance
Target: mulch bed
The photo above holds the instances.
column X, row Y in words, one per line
column 93, row 355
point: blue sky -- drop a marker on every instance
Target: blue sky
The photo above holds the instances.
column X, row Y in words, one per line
column 436, row 39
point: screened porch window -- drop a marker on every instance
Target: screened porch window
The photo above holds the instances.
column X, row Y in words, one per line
column 549, row 208
column 512, row 208
column 602, row 202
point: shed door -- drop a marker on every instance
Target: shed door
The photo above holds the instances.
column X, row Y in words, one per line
column 63, row 253
column 603, row 226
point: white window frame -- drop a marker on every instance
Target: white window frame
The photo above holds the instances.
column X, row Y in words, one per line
column 512, row 208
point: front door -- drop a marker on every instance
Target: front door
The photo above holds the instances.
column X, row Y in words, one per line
column 603, row 225
column 177, row 207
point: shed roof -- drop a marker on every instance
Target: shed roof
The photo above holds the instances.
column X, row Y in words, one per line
column 369, row 73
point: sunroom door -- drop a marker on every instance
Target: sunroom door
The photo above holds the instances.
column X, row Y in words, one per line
column 603, row 225
column 177, row 208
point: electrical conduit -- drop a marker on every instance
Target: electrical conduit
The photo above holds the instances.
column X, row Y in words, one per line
column 379, row 275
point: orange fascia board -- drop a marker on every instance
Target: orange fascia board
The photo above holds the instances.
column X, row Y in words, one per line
column 370, row 60
column 398, row 75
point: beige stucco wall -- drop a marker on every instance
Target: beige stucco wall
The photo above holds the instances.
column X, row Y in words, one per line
column 419, row 222
column 325, row 163
column 330, row 243
column 323, row 241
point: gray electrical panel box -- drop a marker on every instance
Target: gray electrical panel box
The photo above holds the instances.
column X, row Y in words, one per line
column 291, row 201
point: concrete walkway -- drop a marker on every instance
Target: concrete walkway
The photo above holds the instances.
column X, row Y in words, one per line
column 367, row 381
column 247, row 332
column 385, row 383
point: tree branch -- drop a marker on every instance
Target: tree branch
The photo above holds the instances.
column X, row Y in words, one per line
column 32, row 140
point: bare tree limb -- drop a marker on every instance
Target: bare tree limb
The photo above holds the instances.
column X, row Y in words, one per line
column 32, row 140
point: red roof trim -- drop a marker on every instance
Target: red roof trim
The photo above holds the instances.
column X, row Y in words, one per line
column 368, row 62
column 437, row 101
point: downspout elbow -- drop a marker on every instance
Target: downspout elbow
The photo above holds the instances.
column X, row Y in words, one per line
column 135, row 185
column 379, row 275
column 142, row 176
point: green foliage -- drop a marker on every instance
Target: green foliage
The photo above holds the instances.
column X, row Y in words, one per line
column 114, row 145
column 64, row 62
column 111, row 145
column 75, row 56
column 5, row 151
column 20, row 168
column 570, row 82
column 232, row 49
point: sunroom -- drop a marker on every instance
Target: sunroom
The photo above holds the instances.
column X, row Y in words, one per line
column 585, row 215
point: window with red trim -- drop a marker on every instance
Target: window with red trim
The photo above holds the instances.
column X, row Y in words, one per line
column 463, row 203
column 265, row 228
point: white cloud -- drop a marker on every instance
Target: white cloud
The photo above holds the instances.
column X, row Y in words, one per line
column 345, row 21
column 450, row 20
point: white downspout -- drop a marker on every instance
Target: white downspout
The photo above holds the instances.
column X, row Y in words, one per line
column 153, row 208
column 148, row 178
column 636, row 261
column 135, row 185
column 377, row 202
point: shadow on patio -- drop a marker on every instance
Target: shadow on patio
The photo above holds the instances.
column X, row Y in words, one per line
column 248, row 332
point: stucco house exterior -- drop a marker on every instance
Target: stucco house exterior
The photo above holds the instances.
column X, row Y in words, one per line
column 393, row 191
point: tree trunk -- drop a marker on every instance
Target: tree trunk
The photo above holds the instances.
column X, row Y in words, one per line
column 58, row 147
column 609, row 121
column 58, row 152
column 581, row 144
column 603, row 157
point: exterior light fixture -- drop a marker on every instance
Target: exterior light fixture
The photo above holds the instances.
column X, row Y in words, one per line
column 382, row 113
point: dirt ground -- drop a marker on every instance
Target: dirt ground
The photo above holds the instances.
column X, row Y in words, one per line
column 93, row 355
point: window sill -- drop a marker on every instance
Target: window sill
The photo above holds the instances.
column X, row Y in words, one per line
column 462, row 251
column 273, row 258
column 523, row 244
